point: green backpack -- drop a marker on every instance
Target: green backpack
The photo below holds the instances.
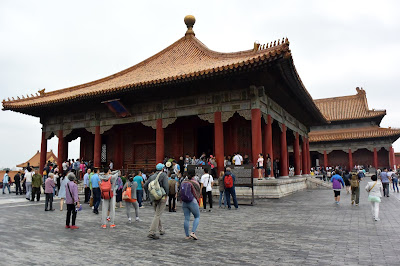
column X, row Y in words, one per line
column 354, row 181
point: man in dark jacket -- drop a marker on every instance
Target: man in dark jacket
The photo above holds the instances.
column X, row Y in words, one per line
column 159, row 205
column 17, row 181
column 230, row 191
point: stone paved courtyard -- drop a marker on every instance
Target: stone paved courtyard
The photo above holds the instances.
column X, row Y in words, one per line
column 306, row 228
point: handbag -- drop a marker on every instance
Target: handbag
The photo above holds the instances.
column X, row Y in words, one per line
column 126, row 195
column 374, row 199
column 91, row 202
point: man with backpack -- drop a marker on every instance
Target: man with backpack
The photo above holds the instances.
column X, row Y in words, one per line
column 157, row 188
column 355, row 188
column 229, row 184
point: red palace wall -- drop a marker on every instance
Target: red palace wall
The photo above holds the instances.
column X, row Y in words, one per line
column 237, row 136
column 363, row 157
column 383, row 158
column 338, row 158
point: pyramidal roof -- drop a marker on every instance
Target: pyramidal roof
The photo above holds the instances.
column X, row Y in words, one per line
column 187, row 58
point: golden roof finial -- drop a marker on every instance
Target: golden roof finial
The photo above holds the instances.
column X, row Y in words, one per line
column 189, row 21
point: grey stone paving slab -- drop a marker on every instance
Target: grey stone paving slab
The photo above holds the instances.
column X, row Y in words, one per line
column 306, row 228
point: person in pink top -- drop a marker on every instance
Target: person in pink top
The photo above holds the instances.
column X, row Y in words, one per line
column 48, row 190
column 72, row 201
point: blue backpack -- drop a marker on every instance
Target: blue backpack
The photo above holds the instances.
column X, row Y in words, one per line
column 186, row 192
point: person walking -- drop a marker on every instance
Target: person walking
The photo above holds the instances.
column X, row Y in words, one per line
column 72, row 201
column 17, row 182
column 48, row 190
column 229, row 184
column 385, row 182
column 172, row 192
column 158, row 205
column 132, row 202
column 139, row 180
column 28, row 182
column 61, row 194
column 375, row 190
column 346, row 179
column 221, row 188
column 190, row 194
column 37, row 182
column 108, row 193
column 395, row 181
column 206, row 183
column 6, row 182
column 337, row 183
column 95, row 181
column 355, row 189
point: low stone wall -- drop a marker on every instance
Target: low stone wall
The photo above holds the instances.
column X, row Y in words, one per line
column 271, row 189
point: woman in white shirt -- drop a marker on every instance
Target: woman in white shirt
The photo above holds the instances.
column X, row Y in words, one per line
column 374, row 190
column 260, row 166
column 206, row 183
column 28, row 182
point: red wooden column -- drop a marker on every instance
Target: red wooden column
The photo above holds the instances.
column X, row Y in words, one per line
column 219, row 141
column 296, row 151
column 270, row 149
column 308, row 157
column 350, row 160
column 97, row 148
column 43, row 152
column 256, row 139
column 60, row 158
column 391, row 157
column 304, row 155
column 325, row 159
column 375, row 158
column 82, row 149
column 284, row 154
column 159, row 141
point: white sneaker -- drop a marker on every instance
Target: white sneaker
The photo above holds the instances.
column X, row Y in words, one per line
column 138, row 219
column 129, row 220
column 377, row 219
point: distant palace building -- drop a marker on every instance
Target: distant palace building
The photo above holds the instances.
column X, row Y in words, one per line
column 353, row 136
column 184, row 99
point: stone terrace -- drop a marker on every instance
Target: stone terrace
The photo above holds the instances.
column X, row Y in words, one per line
column 306, row 228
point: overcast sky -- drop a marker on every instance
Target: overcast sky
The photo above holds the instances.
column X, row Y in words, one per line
column 336, row 46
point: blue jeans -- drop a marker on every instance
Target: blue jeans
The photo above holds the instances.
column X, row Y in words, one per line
column 228, row 193
column 139, row 195
column 191, row 207
column 8, row 186
column 395, row 181
column 221, row 197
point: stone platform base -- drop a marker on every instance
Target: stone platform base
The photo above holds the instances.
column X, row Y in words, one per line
column 277, row 188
